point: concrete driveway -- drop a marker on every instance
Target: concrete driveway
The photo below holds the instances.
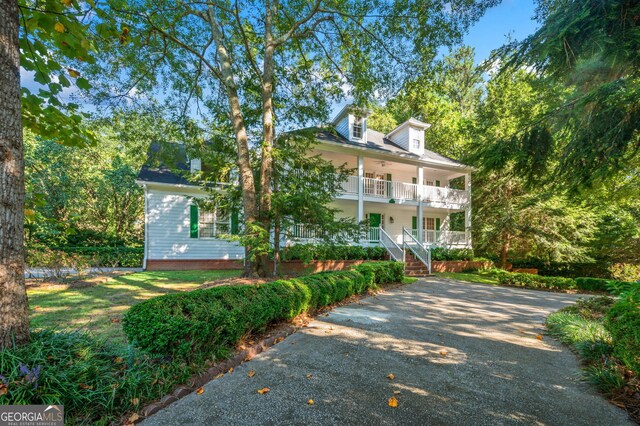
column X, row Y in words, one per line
column 461, row 353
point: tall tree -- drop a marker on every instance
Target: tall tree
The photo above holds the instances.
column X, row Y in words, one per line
column 591, row 47
column 258, row 61
column 14, row 320
column 512, row 216
column 446, row 95
column 40, row 37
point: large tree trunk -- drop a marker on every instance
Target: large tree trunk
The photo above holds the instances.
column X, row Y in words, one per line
column 267, row 135
column 242, row 142
column 14, row 320
column 504, row 250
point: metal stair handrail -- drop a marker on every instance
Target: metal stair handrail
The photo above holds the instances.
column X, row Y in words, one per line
column 421, row 252
column 391, row 246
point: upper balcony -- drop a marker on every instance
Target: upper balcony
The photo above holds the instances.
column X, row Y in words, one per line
column 390, row 191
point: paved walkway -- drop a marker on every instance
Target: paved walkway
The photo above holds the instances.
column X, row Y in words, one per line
column 461, row 353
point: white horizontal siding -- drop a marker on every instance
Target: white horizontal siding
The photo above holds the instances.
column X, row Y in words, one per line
column 168, row 231
column 401, row 138
column 343, row 127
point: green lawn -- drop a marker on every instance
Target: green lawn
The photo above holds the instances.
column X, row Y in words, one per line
column 99, row 308
column 481, row 277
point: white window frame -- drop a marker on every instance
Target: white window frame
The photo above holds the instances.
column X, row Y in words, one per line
column 218, row 223
column 415, row 143
column 358, row 123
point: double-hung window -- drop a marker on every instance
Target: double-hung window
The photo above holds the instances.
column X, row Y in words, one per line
column 357, row 128
column 211, row 223
column 415, row 144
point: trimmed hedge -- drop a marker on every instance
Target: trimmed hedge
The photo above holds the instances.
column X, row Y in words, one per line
column 593, row 284
column 214, row 320
column 516, row 279
column 623, row 322
column 82, row 257
column 309, row 252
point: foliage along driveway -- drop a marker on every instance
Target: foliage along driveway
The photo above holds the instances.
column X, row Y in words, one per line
column 459, row 353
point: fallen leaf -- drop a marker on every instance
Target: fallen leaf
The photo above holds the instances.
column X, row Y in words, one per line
column 263, row 391
column 309, row 376
column 115, row 320
column 396, row 392
column 118, row 360
column 230, row 370
column 115, row 385
column 278, row 340
column 443, row 353
column 3, row 389
column 83, row 386
column 251, row 373
column 539, row 337
column 135, row 401
column 310, row 402
column 391, row 376
column 393, row 402
column 134, row 417
column 200, row 391
column 218, row 376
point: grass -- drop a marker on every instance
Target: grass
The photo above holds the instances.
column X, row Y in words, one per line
column 582, row 327
column 482, row 277
column 100, row 307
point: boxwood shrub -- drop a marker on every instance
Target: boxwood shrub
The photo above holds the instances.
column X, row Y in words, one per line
column 309, row 252
column 213, row 320
column 593, row 284
column 623, row 322
column 535, row 281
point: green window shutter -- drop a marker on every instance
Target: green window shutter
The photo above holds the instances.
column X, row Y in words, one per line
column 414, row 222
column 193, row 225
column 437, row 183
column 414, row 180
column 234, row 222
column 437, row 223
column 389, row 186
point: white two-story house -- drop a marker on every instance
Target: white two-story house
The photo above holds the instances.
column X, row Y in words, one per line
column 400, row 189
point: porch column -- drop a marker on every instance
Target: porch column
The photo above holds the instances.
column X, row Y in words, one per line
column 467, row 210
column 419, row 213
column 360, row 210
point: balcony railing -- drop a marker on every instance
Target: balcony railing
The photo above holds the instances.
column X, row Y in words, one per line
column 401, row 191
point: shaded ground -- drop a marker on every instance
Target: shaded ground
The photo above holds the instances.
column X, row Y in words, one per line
column 97, row 303
column 460, row 353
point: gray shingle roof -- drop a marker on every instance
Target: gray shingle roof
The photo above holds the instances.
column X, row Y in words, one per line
column 165, row 164
column 377, row 140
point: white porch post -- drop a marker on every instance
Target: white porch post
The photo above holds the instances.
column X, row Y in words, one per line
column 467, row 210
column 360, row 210
column 419, row 212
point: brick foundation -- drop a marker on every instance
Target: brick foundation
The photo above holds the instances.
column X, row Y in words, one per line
column 297, row 266
column 193, row 264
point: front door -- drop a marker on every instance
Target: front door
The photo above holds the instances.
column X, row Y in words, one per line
column 375, row 221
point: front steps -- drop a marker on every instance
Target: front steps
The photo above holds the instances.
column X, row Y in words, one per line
column 413, row 267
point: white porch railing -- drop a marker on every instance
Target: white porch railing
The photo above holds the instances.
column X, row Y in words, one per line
column 419, row 250
column 394, row 250
column 391, row 189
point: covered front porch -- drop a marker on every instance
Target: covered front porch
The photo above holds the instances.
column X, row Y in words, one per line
column 431, row 226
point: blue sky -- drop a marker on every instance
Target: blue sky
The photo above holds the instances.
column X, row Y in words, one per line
column 514, row 17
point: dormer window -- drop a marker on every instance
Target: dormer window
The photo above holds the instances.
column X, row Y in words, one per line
column 357, row 127
column 415, row 144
